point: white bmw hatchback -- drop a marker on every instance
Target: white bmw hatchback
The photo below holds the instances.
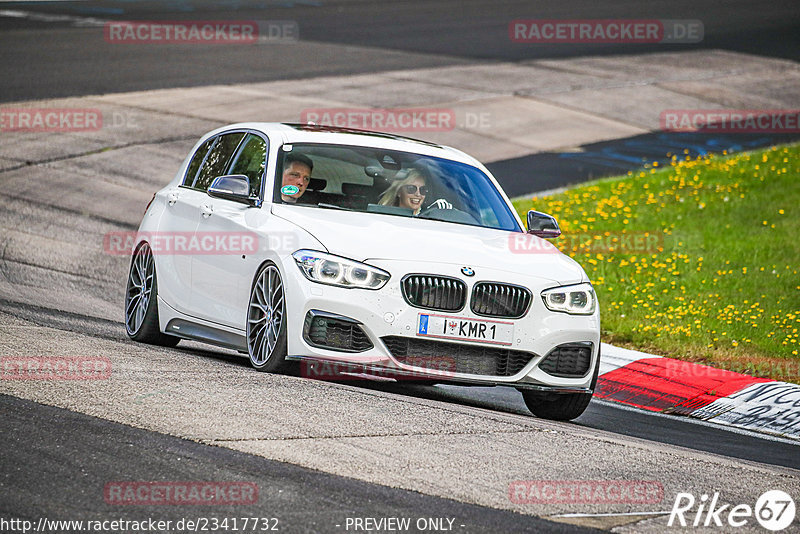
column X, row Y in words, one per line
column 369, row 254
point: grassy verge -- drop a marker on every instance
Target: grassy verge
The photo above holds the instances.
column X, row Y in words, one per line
column 697, row 261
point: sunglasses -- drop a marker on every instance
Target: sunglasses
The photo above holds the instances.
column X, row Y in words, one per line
column 411, row 189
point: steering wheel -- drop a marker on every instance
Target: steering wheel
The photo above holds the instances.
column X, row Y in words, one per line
column 451, row 214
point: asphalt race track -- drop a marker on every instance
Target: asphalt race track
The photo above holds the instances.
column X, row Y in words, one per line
column 52, row 57
column 301, row 499
column 319, row 452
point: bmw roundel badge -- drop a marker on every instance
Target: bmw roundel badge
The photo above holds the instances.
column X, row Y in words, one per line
column 468, row 271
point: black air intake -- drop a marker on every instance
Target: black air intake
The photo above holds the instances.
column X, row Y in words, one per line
column 334, row 332
column 571, row 360
column 457, row 357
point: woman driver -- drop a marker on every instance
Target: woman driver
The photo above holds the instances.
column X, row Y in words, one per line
column 407, row 193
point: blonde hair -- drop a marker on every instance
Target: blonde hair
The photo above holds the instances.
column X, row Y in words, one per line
column 391, row 197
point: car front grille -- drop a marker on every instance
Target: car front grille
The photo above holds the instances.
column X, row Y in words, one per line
column 571, row 360
column 457, row 357
column 333, row 332
column 434, row 292
column 494, row 299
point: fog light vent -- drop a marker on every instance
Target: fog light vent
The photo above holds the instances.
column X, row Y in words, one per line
column 334, row 332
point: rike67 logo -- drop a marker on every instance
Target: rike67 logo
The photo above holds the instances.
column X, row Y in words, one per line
column 774, row 510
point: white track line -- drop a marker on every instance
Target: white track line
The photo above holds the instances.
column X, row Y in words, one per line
column 44, row 17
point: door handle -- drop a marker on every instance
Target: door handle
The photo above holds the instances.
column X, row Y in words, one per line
column 207, row 211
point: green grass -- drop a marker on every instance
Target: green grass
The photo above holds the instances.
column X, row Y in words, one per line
column 698, row 260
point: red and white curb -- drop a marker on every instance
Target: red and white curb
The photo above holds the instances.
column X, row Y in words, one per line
column 672, row 386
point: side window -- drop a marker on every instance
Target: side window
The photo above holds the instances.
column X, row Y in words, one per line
column 250, row 161
column 217, row 160
column 197, row 160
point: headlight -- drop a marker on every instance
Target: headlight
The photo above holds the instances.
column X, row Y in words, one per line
column 577, row 300
column 337, row 271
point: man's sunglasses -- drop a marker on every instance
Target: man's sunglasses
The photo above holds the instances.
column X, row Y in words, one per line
column 411, row 189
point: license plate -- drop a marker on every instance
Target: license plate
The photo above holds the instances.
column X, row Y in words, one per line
column 451, row 327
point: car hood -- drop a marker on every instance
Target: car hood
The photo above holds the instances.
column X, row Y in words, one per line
column 371, row 236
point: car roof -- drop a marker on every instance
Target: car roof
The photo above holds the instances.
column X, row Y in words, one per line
column 310, row 127
column 312, row 133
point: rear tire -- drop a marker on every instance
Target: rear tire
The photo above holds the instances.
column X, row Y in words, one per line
column 141, row 301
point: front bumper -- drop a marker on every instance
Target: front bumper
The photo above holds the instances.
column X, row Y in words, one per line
column 384, row 317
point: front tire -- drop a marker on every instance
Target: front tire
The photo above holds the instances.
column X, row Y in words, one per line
column 561, row 407
column 141, row 296
column 266, row 321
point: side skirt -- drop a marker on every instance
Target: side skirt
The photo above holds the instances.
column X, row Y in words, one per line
column 207, row 334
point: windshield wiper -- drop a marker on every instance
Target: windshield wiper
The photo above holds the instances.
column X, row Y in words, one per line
column 332, row 206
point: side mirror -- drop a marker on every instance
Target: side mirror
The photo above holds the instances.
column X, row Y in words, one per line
column 234, row 187
column 542, row 225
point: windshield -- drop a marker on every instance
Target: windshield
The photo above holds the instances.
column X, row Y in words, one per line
column 392, row 183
